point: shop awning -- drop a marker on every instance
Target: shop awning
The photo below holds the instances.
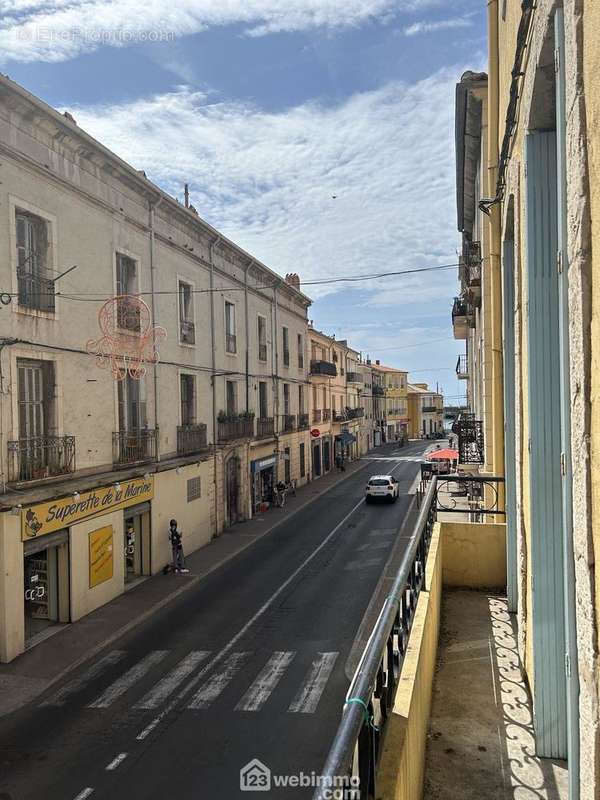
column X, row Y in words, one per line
column 346, row 438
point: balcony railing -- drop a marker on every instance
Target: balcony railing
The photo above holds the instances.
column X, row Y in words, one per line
column 354, row 413
column 317, row 415
column 40, row 457
column 130, row 447
column 239, row 428
column 357, row 746
column 473, row 264
column 470, row 441
column 323, row 368
column 354, row 377
column 231, row 343
column 339, row 416
column 265, row 427
column 288, row 422
column 191, row 439
column 188, row 332
column 262, row 352
column 430, row 409
column 326, row 414
column 462, row 367
column 378, row 391
column 303, row 422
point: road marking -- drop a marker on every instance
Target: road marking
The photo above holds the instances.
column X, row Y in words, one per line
column 364, row 564
column 129, row 679
column 116, row 761
column 307, row 699
column 159, row 693
column 232, row 642
column 215, row 685
column 268, row 678
column 373, row 546
column 85, row 793
column 58, row 699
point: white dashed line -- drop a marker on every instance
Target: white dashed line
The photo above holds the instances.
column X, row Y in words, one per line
column 85, row 793
column 116, row 761
column 307, row 699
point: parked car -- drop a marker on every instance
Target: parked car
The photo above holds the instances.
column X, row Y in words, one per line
column 382, row 487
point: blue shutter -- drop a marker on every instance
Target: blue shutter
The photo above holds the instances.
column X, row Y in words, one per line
column 547, row 556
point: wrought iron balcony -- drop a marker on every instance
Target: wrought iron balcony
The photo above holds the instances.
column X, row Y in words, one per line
column 354, row 413
column 317, row 415
column 470, row 440
column 191, row 439
column 326, row 414
column 262, row 352
column 460, row 322
column 339, row 416
column 131, row 447
column 462, row 367
column 303, row 422
column 265, row 427
column 237, row 428
column 354, row 377
column 473, row 264
column 40, row 457
column 231, row 343
column 323, row 368
column 288, row 422
column 378, row 391
column 188, row 332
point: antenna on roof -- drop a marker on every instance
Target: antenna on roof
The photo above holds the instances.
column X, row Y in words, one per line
column 186, row 194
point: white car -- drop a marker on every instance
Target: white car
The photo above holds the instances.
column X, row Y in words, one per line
column 382, row 487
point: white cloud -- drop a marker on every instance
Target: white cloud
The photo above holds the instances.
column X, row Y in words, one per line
column 266, row 180
column 56, row 30
column 423, row 26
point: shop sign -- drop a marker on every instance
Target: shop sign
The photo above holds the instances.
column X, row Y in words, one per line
column 315, row 433
column 262, row 463
column 101, row 555
column 46, row 518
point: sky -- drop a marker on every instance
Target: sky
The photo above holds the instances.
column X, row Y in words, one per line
column 317, row 134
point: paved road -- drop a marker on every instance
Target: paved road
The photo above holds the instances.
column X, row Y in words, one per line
column 248, row 664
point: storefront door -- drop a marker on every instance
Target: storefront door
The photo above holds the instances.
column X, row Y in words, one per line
column 46, row 584
column 316, row 460
column 326, row 456
column 136, row 542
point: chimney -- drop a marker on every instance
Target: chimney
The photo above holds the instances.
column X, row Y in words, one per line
column 293, row 279
column 70, row 117
column 378, row 362
column 186, row 194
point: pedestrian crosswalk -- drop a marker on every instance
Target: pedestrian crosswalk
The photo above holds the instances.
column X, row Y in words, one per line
column 150, row 682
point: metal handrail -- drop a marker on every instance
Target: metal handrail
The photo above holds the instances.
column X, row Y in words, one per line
column 358, row 742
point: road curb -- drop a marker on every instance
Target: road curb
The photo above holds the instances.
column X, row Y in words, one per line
column 381, row 591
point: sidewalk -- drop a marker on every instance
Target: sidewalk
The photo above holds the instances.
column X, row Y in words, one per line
column 480, row 741
column 38, row 668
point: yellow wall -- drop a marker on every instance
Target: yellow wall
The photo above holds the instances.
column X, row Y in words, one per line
column 403, row 759
column 474, row 555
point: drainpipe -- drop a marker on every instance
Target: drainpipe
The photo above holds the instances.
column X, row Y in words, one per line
column 497, row 461
column 213, row 378
column 247, row 335
column 152, row 206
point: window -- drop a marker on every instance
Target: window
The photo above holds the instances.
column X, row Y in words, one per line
column 300, row 352
column 301, row 399
column 324, row 397
column 36, row 398
column 188, row 399
column 132, row 404
column 286, row 347
column 194, row 489
column 187, row 330
column 286, row 399
column 302, row 461
column 128, row 315
column 263, row 400
column 262, row 338
column 35, row 288
column 333, row 404
column 230, row 337
column 231, row 397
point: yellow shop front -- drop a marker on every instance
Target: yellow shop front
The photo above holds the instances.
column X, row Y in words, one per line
column 65, row 557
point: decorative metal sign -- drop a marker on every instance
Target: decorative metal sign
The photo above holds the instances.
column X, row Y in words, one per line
column 129, row 339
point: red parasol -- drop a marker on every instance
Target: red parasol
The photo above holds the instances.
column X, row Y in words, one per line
column 444, row 455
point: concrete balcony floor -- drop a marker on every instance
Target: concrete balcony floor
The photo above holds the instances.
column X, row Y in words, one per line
column 480, row 744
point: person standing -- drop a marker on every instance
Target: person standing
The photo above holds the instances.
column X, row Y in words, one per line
column 176, row 547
